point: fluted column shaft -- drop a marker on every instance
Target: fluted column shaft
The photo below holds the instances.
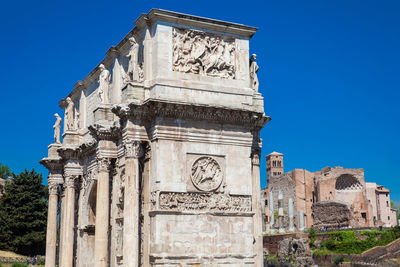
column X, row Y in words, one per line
column 69, row 220
column 257, row 218
column 102, row 213
column 51, row 235
column 133, row 151
column 62, row 223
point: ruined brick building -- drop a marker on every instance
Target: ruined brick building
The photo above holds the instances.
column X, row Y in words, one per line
column 332, row 197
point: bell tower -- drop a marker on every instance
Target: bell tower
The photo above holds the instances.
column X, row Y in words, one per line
column 274, row 165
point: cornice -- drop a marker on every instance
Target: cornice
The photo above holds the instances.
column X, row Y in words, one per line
column 191, row 20
column 105, row 132
column 52, row 164
column 88, row 148
column 69, row 152
column 152, row 109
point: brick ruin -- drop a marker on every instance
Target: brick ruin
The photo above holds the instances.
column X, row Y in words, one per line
column 331, row 197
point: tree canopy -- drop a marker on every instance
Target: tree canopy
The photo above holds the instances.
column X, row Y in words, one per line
column 23, row 214
column 5, row 171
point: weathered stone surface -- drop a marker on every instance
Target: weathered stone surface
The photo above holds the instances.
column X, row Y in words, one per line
column 160, row 157
column 368, row 203
column 297, row 250
column 332, row 214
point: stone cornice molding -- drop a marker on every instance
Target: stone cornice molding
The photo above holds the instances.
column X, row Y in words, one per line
column 52, row 164
column 88, row 148
column 69, row 152
column 133, row 149
column 105, row 132
column 151, row 109
column 199, row 22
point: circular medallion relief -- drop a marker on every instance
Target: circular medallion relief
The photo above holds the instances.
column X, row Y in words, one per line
column 206, row 174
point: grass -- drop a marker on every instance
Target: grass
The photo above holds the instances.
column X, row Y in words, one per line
column 348, row 242
column 10, row 254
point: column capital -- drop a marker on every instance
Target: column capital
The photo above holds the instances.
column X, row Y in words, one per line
column 133, row 149
column 255, row 158
column 103, row 164
column 70, row 180
column 53, row 188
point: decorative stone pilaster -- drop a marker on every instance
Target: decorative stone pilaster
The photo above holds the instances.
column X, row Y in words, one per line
column 256, row 207
column 301, row 220
column 133, row 151
column 51, row 236
column 271, row 212
column 102, row 212
column 280, row 212
column 291, row 215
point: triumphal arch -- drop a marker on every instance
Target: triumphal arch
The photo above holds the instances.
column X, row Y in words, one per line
column 159, row 159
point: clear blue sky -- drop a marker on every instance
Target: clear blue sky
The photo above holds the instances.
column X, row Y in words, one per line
column 329, row 73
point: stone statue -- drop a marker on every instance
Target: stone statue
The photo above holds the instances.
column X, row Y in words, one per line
column 104, row 84
column 133, row 56
column 57, row 129
column 69, row 117
column 253, row 72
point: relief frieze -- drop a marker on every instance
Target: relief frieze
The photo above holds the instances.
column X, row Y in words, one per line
column 206, row 202
column 203, row 53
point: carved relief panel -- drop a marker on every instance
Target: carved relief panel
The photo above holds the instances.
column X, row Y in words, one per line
column 205, row 173
column 203, row 53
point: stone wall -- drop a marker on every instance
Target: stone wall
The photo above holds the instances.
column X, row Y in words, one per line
column 271, row 242
column 285, row 184
column 332, row 214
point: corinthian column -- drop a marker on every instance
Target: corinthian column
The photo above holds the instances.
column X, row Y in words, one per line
column 68, row 239
column 257, row 218
column 102, row 213
column 51, row 236
column 133, row 151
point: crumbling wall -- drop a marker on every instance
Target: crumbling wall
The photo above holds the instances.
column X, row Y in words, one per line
column 286, row 184
column 332, row 214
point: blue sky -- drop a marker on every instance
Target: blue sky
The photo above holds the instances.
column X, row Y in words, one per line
column 329, row 73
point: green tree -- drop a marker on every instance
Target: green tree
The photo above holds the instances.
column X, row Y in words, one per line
column 23, row 214
column 4, row 171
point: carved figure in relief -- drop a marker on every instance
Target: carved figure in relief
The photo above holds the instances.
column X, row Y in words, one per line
column 200, row 53
column 179, row 201
column 77, row 120
column 206, row 174
column 57, row 129
column 253, row 72
column 104, row 84
column 134, row 70
column 69, row 115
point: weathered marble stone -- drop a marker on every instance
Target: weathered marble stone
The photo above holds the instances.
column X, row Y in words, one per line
column 160, row 160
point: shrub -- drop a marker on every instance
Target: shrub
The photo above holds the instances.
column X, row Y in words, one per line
column 338, row 259
column 18, row 264
column 41, row 261
column 311, row 236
